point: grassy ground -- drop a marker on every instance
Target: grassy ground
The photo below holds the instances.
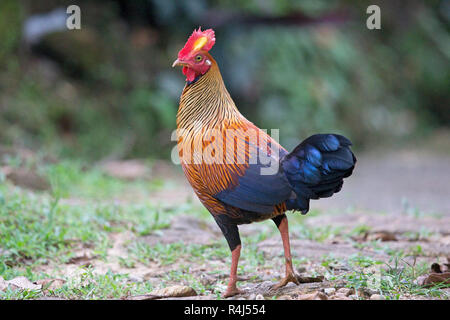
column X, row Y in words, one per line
column 92, row 236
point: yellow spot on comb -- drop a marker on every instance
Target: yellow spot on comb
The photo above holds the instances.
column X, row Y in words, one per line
column 199, row 43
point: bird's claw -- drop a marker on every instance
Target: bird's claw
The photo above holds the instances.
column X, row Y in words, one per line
column 232, row 291
column 290, row 277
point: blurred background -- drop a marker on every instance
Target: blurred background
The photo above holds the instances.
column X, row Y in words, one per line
column 108, row 92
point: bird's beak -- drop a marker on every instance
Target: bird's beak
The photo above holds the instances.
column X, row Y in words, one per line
column 178, row 62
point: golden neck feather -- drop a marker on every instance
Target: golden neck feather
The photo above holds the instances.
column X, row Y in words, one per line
column 207, row 102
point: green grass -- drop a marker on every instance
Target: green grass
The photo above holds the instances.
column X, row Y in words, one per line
column 391, row 279
column 42, row 233
column 87, row 285
column 168, row 254
column 36, row 229
column 43, row 229
column 74, row 179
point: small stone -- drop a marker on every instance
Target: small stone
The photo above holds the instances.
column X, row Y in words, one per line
column 320, row 296
column 377, row 297
column 345, row 291
column 260, row 297
column 353, row 297
column 329, row 291
column 340, row 296
column 252, row 297
column 308, row 296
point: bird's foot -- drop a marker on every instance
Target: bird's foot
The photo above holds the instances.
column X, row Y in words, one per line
column 290, row 277
column 232, row 291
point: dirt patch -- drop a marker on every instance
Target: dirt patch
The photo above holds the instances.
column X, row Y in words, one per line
column 188, row 230
column 393, row 182
column 395, row 223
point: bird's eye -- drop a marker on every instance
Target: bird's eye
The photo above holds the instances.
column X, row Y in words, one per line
column 198, row 58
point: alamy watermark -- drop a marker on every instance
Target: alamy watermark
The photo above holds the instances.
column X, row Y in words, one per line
column 199, row 145
column 73, row 21
column 374, row 20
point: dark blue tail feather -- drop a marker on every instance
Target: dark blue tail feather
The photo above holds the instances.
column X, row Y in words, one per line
column 316, row 168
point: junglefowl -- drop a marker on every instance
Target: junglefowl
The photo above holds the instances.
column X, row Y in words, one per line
column 240, row 173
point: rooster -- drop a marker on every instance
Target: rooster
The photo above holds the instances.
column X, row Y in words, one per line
column 240, row 173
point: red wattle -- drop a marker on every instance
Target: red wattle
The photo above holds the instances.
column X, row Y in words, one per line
column 189, row 73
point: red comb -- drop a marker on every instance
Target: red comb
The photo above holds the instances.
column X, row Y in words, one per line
column 199, row 40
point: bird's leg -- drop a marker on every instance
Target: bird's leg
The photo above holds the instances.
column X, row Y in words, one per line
column 232, row 288
column 231, row 233
column 282, row 224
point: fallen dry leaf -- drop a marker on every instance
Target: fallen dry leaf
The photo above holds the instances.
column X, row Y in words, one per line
column 382, row 236
column 435, row 278
column 310, row 279
column 173, row 291
column 22, row 283
column 439, row 274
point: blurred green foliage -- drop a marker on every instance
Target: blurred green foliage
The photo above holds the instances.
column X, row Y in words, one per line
column 11, row 15
column 107, row 90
